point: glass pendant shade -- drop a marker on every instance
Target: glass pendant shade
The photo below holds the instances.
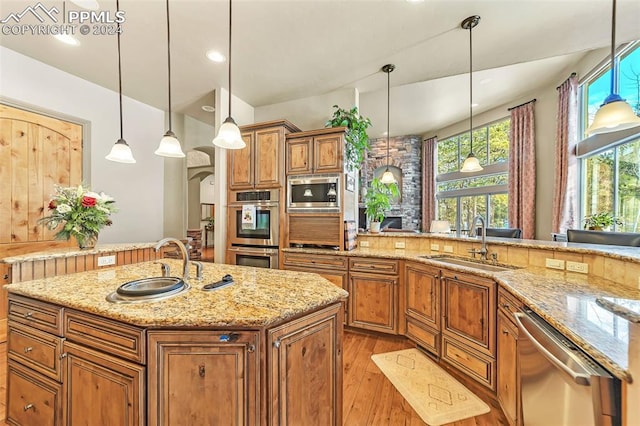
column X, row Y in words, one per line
column 169, row 146
column 614, row 114
column 229, row 136
column 121, row 153
column 471, row 164
column 388, row 178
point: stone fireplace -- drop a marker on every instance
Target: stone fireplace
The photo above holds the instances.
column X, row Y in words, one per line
column 405, row 162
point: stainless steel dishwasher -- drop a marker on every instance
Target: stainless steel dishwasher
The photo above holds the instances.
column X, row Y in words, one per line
column 560, row 384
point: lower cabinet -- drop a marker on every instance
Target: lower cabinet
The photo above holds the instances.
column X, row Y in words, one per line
column 508, row 382
column 206, row 378
column 32, row 399
column 422, row 304
column 373, row 301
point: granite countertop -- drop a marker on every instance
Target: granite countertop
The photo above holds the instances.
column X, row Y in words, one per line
column 628, row 309
column 258, row 298
column 75, row 251
column 566, row 300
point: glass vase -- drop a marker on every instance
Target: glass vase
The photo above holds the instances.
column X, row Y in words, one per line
column 87, row 241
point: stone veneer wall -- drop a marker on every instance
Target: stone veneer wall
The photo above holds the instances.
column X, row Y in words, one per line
column 405, row 152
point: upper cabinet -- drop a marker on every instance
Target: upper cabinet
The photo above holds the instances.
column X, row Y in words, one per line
column 260, row 164
column 317, row 151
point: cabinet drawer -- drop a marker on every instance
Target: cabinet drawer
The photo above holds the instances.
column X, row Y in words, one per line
column 378, row 266
column 508, row 304
column 35, row 349
column 315, row 260
column 425, row 336
column 39, row 315
column 32, row 399
column 479, row 367
column 109, row 336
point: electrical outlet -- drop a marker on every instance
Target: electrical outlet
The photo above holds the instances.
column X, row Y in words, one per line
column 400, row 244
column 554, row 263
column 435, row 247
column 582, row 268
column 364, row 243
column 107, row 260
column 448, row 249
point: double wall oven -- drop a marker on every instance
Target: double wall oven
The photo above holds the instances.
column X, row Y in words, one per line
column 254, row 242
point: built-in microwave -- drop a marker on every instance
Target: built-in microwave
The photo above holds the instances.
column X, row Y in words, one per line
column 263, row 229
column 314, row 193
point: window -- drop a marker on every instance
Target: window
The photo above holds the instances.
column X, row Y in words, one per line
column 461, row 196
column 610, row 167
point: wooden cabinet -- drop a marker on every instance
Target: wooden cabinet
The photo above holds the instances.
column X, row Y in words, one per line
column 373, row 295
column 32, row 399
column 508, row 385
column 204, row 378
column 422, row 304
column 260, row 164
column 318, row 151
column 304, row 371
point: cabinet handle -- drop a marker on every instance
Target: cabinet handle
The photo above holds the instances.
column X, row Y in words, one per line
column 28, row 315
column 63, row 355
column 201, row 370
column 436, row 276
column 27, row 407
column 506, row 306
column 276, row 344
column 504, row 331
column 28, row 349
column 5, row 276
column 251, row 348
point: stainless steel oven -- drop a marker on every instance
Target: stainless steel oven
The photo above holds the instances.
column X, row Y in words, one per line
column 254, row 256
column 314, row 193
column 264, row 231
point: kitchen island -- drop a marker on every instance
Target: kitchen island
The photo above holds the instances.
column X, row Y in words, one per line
column 266, row 349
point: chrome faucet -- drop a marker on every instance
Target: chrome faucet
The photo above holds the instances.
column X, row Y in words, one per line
column 183, row 250
column 483, row 248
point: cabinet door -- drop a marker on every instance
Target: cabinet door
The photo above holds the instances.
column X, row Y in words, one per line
column 240, row 164
column 423, row 294
column 469, row 310
column 507, row 360
column 101, row 389
column 203, row 378
column 327, row 154
column 268, row 162
column 32, row 399
column 299, row 156
column 373, row 302
column 305, row 370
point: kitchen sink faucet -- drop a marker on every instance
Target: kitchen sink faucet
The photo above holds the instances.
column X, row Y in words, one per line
column 483, row 248
column 183, row 250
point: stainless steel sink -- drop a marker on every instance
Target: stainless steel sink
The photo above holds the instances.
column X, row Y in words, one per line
column 148, row 290
column 475, row 264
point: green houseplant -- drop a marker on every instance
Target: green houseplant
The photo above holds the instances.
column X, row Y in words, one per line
column 356, row 137
column 377, row 201
column 600, row 221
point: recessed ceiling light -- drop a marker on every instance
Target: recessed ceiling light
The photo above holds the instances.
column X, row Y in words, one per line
column 86, row 4
column 68, row 39
column 474, row 105
column 216, row 56
column 208, row 108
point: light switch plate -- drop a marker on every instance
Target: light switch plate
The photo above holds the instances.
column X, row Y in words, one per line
column 399, row 244
column 448, row 249
column 554, row 263
column 435, row 247
column 364, row 243
column 107, row 260
column 582, row 268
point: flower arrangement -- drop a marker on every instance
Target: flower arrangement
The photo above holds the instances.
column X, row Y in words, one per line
column 81, row 212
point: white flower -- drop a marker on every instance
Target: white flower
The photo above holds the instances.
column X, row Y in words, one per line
column 104, row 197
column 63, row 208
column 92, row 194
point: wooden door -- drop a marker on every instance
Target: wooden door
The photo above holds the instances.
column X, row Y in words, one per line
column 373, row 302
column 469, row 310
column 32, row 399
column 203, row 378
column 101, row 389
column 507, row 377
column 268, row 157
column 305, row 371
column 327, row 153
column 36, row 153
column 240, row 164
column 298, row 156
column 422, row 285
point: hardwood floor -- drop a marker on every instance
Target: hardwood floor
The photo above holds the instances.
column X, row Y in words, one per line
column 369, row 397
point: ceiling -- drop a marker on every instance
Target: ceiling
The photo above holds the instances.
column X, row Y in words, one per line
column 287, row 50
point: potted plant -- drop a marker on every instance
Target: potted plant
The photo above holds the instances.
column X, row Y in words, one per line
column 600, row 221
column 356, row 137
column 377, row 201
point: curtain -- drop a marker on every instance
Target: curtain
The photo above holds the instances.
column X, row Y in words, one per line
column 565, row 197
column 522, row 170
column 428, row 182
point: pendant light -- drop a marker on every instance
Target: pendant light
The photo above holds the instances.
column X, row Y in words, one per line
column 614, row 113
column 169, row 144
column 229, row 136
column 471, row 163
column 387, row 177
column 120, row 152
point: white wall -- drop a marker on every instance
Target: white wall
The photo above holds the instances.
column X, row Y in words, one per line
column 206, row 190
column 137, row 188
